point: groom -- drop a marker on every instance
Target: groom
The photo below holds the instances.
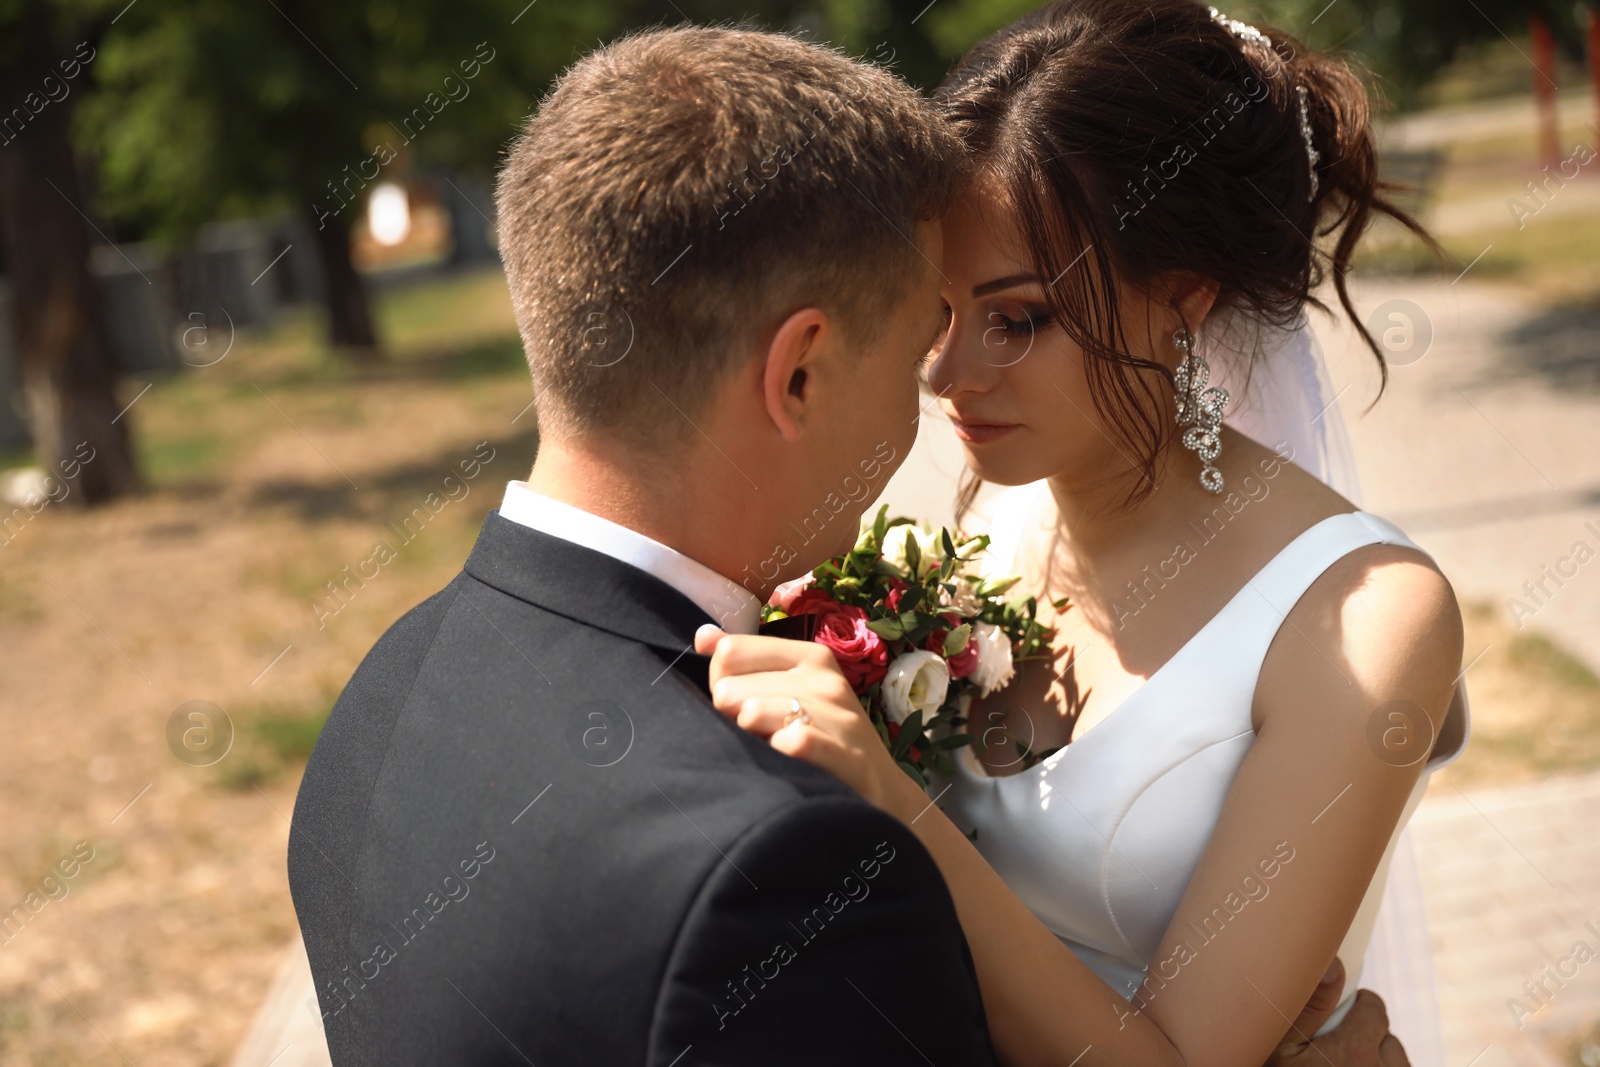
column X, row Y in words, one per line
column 525, row 836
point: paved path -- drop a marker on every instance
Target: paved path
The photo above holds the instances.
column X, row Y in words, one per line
column 1512, row 880
column 1487, row 449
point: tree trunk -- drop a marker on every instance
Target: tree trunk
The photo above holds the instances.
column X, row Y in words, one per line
column 350, row 325
column 67, row 369
column 1544, row 89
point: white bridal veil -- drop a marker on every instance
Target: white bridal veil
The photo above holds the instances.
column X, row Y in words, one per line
column 1287, row 402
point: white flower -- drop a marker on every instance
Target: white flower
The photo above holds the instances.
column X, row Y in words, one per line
column 995, row 669
column 917, row 681
column 929, row 549
column 964, row 601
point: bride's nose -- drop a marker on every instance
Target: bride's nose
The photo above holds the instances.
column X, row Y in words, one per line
column 959, row 366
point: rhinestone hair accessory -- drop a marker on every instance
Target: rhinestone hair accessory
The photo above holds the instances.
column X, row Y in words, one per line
column 1246, row 32
column 1199, row 409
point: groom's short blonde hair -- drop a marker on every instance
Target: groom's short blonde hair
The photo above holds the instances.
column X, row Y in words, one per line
column 680, row 191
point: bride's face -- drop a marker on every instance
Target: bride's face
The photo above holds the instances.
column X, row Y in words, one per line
column 1011, row 380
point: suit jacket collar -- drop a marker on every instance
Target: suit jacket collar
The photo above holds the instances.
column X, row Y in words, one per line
column 588, row 587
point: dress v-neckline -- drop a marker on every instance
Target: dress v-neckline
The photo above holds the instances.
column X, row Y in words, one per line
column 1043, row 766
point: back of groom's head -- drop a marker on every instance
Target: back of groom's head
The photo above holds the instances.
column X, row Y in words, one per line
column 681, row 191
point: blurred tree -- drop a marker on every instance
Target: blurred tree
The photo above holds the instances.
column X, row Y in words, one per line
column 67, row 370
column 1404, row 42
column 208, row 109
column 1407, row 42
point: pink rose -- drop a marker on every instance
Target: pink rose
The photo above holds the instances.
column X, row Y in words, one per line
column 861, row 654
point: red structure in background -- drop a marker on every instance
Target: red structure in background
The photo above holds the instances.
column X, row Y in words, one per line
column 1594, row 58
column 1544, row 88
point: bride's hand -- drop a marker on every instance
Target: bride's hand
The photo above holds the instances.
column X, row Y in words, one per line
column 792, row 693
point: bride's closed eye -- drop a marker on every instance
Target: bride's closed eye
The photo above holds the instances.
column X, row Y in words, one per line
column 1020, row 320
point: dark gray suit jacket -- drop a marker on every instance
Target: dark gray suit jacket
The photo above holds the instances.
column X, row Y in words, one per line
column 525, row 836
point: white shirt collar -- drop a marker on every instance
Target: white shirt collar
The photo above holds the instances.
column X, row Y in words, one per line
column 733, row 606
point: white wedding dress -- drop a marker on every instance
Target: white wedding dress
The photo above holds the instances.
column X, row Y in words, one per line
column 1101, row 839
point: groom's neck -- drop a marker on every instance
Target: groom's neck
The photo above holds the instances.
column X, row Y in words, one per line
column 667, row 499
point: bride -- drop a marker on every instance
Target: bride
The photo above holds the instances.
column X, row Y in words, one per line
column 1251, row 677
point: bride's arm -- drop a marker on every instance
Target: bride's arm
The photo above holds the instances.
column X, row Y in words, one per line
column 1376, row 629
column 1353, row 690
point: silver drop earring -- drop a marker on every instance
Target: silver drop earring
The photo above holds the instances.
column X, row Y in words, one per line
column 1200, row 409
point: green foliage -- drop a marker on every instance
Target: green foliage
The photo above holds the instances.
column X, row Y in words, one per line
column 207, row 108
column 1406, row 43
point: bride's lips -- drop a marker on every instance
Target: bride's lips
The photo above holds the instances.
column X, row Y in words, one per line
column 978, row 432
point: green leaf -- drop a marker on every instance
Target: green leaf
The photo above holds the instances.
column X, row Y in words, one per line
column 910, row 734
column 954, row 741
column 997, row 586
column 949, row 546
column 974, row 546
column 955, row 641
column 913, row 553
column 883, row 731
column 888, row 629
column 914, row 774
column 880, row 526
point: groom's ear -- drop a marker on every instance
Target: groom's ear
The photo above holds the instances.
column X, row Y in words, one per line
column 788, row 383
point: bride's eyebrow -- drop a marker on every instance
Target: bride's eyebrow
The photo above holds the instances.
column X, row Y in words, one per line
column 1008, row 282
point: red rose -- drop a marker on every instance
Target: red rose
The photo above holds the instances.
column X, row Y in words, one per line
column 815, row 602
column 860, row 653
column 962, row 663
column 785, row 595
column 897, row 592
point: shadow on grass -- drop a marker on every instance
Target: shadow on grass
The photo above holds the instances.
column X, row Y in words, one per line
column 393, row 493
column 493, row 358
column 1560, row 346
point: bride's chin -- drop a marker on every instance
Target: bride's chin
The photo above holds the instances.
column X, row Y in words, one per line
column 1005, row 470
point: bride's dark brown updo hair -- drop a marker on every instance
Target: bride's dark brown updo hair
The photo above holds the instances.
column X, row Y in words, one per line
column 1148, row 138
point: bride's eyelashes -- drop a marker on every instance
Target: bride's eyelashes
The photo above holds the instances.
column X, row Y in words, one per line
column 1020, row 320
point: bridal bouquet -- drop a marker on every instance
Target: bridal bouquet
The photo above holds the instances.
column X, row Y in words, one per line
column 916, row 630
